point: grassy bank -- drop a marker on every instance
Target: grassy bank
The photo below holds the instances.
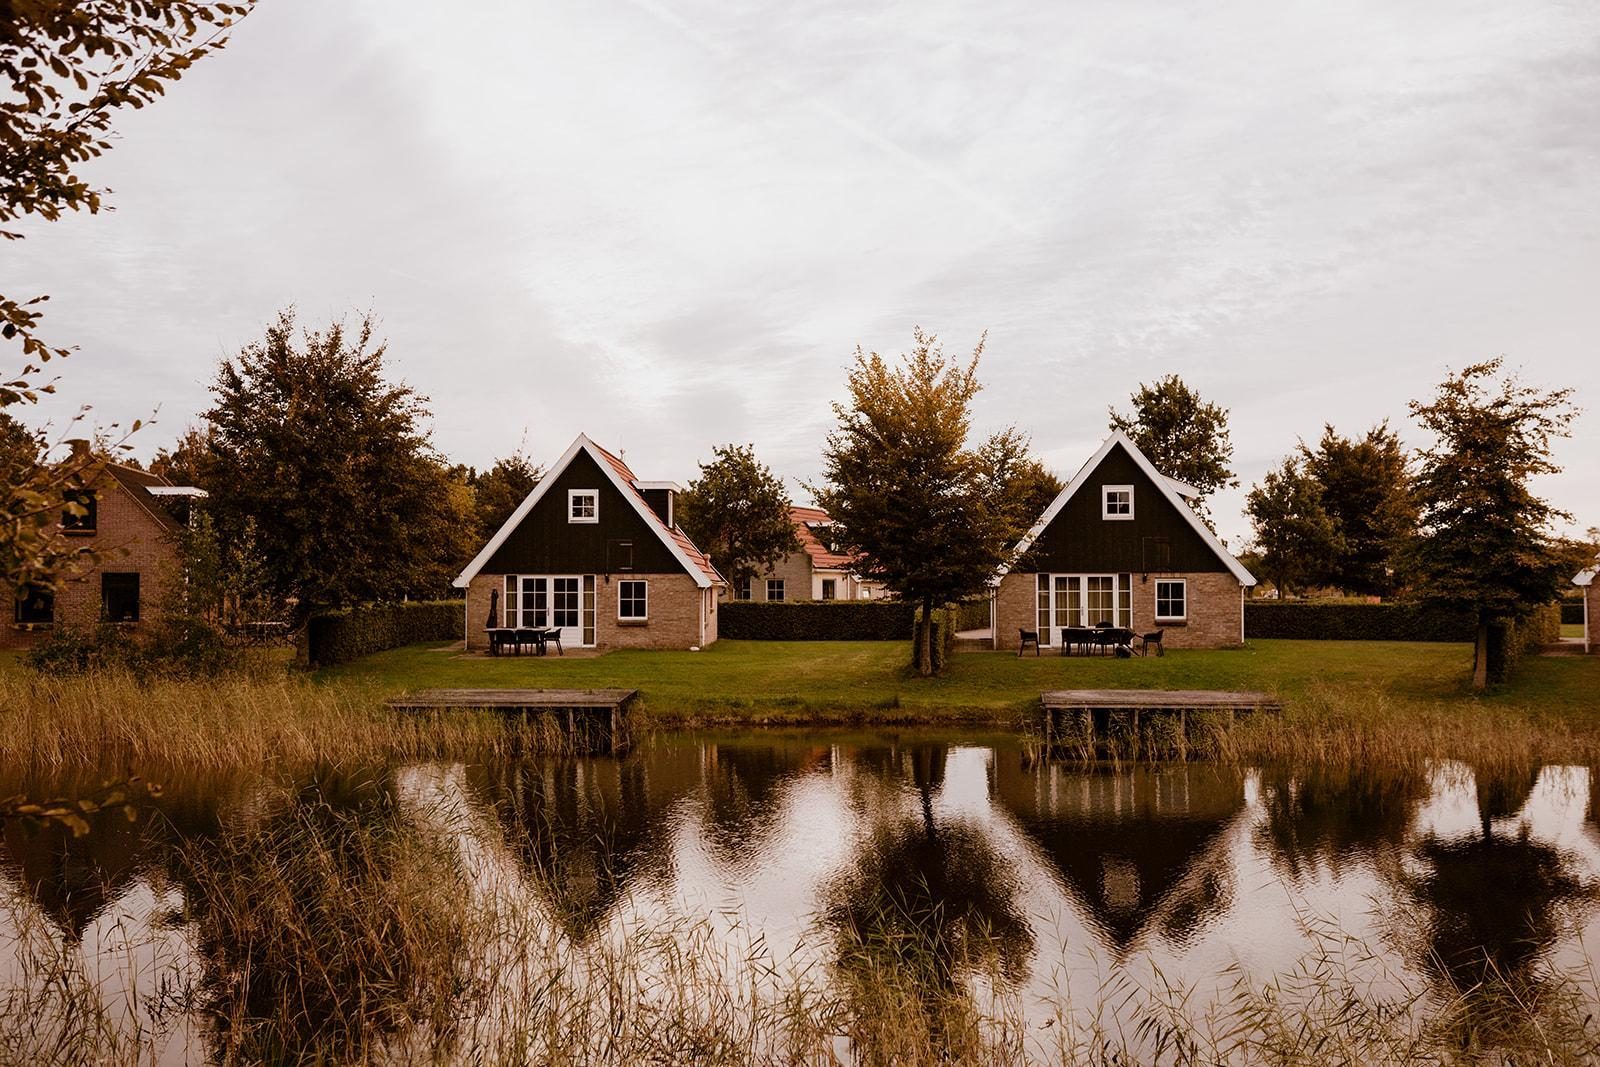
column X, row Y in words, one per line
column 1344, row 702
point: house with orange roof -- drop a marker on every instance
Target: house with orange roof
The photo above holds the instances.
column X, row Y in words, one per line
column 817, row 572
column 596, row 553
column 131, row 520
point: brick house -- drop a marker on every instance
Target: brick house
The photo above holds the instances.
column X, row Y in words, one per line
column 596, row 553
column 131, row 524
column 816, row 572
column 1591, row 603
column 1119, row 545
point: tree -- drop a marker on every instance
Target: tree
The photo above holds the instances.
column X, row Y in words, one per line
column 738, row 513
column 1017, row 482
column 185, row 462
column 332, row 464
column 906, row 492
column 498, row 491
column 1184, row 436
column 1293, row 533
column 1485, row 545
column 70, row 65
column 1365, row 487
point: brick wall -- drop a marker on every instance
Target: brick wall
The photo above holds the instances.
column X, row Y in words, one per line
column 795, row 570
column 675, row 607
column 131, row 541
column 1592, row 595
column 1216, row 612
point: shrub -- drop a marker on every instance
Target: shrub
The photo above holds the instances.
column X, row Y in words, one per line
column 1354, row 622
column 169, row 647
column 1510, row 641
column 818, row 620
column 342, row 636
column 972, row 615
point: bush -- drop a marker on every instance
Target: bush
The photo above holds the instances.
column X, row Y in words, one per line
column 1343, row 621
column 816, row 620
column 342, row 636
column 168, row 647
column 1510, row 641
column 972, row 615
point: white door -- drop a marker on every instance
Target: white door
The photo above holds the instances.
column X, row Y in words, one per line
column 566, row 610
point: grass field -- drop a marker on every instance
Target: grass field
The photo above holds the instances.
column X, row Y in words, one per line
column 774, row 679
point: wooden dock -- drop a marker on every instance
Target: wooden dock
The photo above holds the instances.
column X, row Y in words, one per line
column 1142, row 722
column 583, row 712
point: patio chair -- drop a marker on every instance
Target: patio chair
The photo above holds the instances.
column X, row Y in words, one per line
column 1146, row 640
column 1079, row 637
column 551, row 635
column 1027, row 637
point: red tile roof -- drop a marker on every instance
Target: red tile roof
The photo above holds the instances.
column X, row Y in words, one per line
column 678, row 537
column 822, row 558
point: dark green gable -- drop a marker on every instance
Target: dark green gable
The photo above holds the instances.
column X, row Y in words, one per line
column 1157, row 538
column 544, row 542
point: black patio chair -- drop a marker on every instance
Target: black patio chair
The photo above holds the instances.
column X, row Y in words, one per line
column 553, row 634
column 1146, row 640
column 1076, row 637
column 1026, row 637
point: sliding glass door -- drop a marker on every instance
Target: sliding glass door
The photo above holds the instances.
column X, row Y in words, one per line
column 540, row 601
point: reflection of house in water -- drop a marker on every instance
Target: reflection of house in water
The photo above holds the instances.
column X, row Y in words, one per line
column 1136, row 846
column 742, row 783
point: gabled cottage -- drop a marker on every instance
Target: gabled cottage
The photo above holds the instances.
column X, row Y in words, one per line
column 132, row 520
column 1118, row 545
column 597, row 553
column 815, row 572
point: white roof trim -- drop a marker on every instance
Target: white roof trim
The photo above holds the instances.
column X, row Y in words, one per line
column 641, row 485
column 1586, row 577
column 177, row 490
column 1167, row 486
column 1184, row 489
column 582, row 444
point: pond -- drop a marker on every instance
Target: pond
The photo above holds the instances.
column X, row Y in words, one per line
column 866, row 896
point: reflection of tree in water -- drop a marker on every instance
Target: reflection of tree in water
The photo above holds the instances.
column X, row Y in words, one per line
column 326, row 923
column 1134, row 845
column 1496, row 901
column 1330, row 817
column 925, row 903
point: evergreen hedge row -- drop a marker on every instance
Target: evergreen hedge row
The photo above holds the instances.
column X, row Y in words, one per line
column 341, row 636
column 1353, row 622
column 816, row 620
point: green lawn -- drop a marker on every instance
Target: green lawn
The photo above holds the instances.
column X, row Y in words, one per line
column 772, row 679
column 1572, row 629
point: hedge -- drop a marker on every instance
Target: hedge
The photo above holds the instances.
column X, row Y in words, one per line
column 972, row 615
column 341, row 636
column 816, row 620
column 1510, row 641
column 1354, row 622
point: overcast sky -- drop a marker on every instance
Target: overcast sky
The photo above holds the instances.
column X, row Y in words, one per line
column 668, row 224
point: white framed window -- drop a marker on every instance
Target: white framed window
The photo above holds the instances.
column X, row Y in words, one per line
column 633, row 600
column 774, row 588
column 583, row 505
column 829, row 589
column 1172, row 599
column 1116, row 501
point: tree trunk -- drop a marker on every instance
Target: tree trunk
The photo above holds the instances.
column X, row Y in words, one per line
column 925, row 640
column 1480, row 658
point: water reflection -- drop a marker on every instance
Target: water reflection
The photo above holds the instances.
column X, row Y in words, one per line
column 951, row 860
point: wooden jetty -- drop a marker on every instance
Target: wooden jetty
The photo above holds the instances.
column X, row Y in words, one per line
column 583, row 711
column 1143, row 721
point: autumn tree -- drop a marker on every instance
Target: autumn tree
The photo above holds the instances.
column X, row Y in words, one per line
column 1365, row 488
column 499, row 490
column 907, row 491
column 1017, row 482
column 332, row 464
column 186, row 461
column 1183, row 435
column 737, row 512
column 1294, row 534
column 69, row 66
column 1485, row 545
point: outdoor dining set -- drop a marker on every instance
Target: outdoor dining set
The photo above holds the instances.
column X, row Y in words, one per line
column 516, row 638
column 1103, row 638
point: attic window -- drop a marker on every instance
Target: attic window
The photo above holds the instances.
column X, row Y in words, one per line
column 1116, row 501
column 583, row 505
column 83, row 513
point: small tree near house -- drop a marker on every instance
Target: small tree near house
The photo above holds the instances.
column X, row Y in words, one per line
column 1485, row 544
column 906, row 491
column 738, row 513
